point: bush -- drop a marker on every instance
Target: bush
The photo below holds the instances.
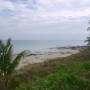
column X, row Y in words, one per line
column 64, row 79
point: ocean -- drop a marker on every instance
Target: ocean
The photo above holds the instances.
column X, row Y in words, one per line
column 32, row 45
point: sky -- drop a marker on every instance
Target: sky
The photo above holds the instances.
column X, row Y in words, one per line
column 44, row 19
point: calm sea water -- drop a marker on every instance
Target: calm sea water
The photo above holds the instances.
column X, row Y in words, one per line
column 20, row 45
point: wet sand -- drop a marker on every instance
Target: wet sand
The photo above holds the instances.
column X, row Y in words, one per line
column 48, row 54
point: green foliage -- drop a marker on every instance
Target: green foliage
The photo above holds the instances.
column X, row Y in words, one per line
column 88, row 38
column 7, row 62
column 71, row 77
column 88, row 41
column 70, row 73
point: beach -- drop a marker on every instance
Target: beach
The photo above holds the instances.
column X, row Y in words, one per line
column 43, row 55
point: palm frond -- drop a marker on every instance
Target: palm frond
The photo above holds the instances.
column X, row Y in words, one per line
column 5, row 55
column 88, row 41
column 7, row 62
column 15, row 62
column 1, row 46
column 8, row 51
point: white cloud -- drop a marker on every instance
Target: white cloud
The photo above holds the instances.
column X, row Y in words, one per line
column 5, row 4
column 47, row 8
column 31, row 16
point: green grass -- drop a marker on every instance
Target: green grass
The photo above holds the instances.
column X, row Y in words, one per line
column 70, row 73
column 72, row 77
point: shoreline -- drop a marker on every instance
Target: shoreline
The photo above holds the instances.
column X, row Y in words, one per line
column 48, row 54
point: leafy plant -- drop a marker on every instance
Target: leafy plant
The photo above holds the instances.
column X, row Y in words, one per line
column 8, row 63
column 88, row 38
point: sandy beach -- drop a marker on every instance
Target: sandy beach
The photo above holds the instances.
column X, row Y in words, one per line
column 47, row 54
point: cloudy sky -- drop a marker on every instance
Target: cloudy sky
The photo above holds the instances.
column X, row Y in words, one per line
column 44, row 19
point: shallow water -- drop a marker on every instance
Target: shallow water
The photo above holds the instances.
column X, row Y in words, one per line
column 33, row 45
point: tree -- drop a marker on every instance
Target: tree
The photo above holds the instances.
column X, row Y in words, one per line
column 88, row 38
column 8, row 63
column 88, row 41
